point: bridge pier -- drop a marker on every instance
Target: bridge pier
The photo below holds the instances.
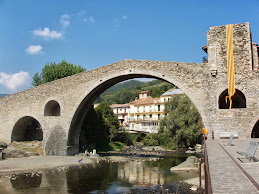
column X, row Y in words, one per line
column 72, row 150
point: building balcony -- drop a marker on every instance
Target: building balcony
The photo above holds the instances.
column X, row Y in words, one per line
column 143, row 120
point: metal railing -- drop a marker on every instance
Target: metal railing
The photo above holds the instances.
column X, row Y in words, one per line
column 208, row 188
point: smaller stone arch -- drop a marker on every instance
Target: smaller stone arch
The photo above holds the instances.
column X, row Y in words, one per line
column 27, row 129
column 238, row 100
column 255, row 131
column 52, row 108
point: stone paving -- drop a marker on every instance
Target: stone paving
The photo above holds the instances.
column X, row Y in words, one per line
column 226, row 176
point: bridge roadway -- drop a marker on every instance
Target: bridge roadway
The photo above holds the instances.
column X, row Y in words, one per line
column 226, row 176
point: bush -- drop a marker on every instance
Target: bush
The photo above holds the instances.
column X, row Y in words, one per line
column 103, row 146
column 164, row 139
column 124, row 137
column 150, row 140
column 137, row 137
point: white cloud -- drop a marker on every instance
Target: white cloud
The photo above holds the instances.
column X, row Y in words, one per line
column 90, row 19
column 117, row 21
column 15, row 82
column 34, row 49
column 65, row 20
column 46, row 33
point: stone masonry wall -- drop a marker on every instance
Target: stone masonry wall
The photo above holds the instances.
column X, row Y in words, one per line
column 74, row 94
column 246, row 79
column 255, row 56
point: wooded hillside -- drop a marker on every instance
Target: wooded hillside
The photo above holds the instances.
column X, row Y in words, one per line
column 127, row 91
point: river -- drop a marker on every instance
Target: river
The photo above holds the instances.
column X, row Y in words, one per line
column 104, row 176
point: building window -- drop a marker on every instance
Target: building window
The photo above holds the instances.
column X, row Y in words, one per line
column 138, row 109
column 158, row 116
column 150, row 116
column 143, row 108
column 137, row 117
column 158, row 107
column 144, row 117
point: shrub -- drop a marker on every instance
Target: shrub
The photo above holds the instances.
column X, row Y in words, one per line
column 150, row 140
column 123, row 137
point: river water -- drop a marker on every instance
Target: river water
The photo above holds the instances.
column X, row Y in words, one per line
column 101, row 177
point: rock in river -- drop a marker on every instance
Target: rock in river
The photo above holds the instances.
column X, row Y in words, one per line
column 191, row 164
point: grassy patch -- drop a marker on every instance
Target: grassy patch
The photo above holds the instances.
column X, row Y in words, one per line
column 30, row 147
column 116, row 145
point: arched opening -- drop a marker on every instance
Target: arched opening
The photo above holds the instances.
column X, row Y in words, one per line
column 238, row 100
column 84, row 107
column 52, row 108
column 78, row 118
column 255, row 131
column 27, row 129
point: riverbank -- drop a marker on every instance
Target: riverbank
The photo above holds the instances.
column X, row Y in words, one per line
column 15, row 165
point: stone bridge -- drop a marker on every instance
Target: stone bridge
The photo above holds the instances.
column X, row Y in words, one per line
column 59, row 107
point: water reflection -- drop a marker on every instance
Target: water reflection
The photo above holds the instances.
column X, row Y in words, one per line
column 103, row 176
column 55, row 178
column 146, row 173
column 26, row 181
column 92, row 177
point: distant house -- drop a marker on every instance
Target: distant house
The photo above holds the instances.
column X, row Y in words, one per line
column 145, row 111
column 122, row 111
column 143, row 114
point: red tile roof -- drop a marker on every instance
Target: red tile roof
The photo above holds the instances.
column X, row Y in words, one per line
column 120, row 105
column 142, row 101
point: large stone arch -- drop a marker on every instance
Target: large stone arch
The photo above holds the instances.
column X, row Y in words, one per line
column 103, row 83
column 27, row 128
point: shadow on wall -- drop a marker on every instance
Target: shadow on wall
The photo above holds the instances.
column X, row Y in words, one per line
column 56, row 143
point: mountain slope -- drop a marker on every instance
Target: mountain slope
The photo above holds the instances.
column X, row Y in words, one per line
column 127, row 91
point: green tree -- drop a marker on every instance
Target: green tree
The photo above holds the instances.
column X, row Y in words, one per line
column 182, row 121
column 92, row 133
column 111, row 122
column 54, row 71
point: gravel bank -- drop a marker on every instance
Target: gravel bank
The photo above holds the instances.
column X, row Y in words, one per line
column 39, row 162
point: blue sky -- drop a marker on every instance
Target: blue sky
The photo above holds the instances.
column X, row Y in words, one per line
column 96, row 33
